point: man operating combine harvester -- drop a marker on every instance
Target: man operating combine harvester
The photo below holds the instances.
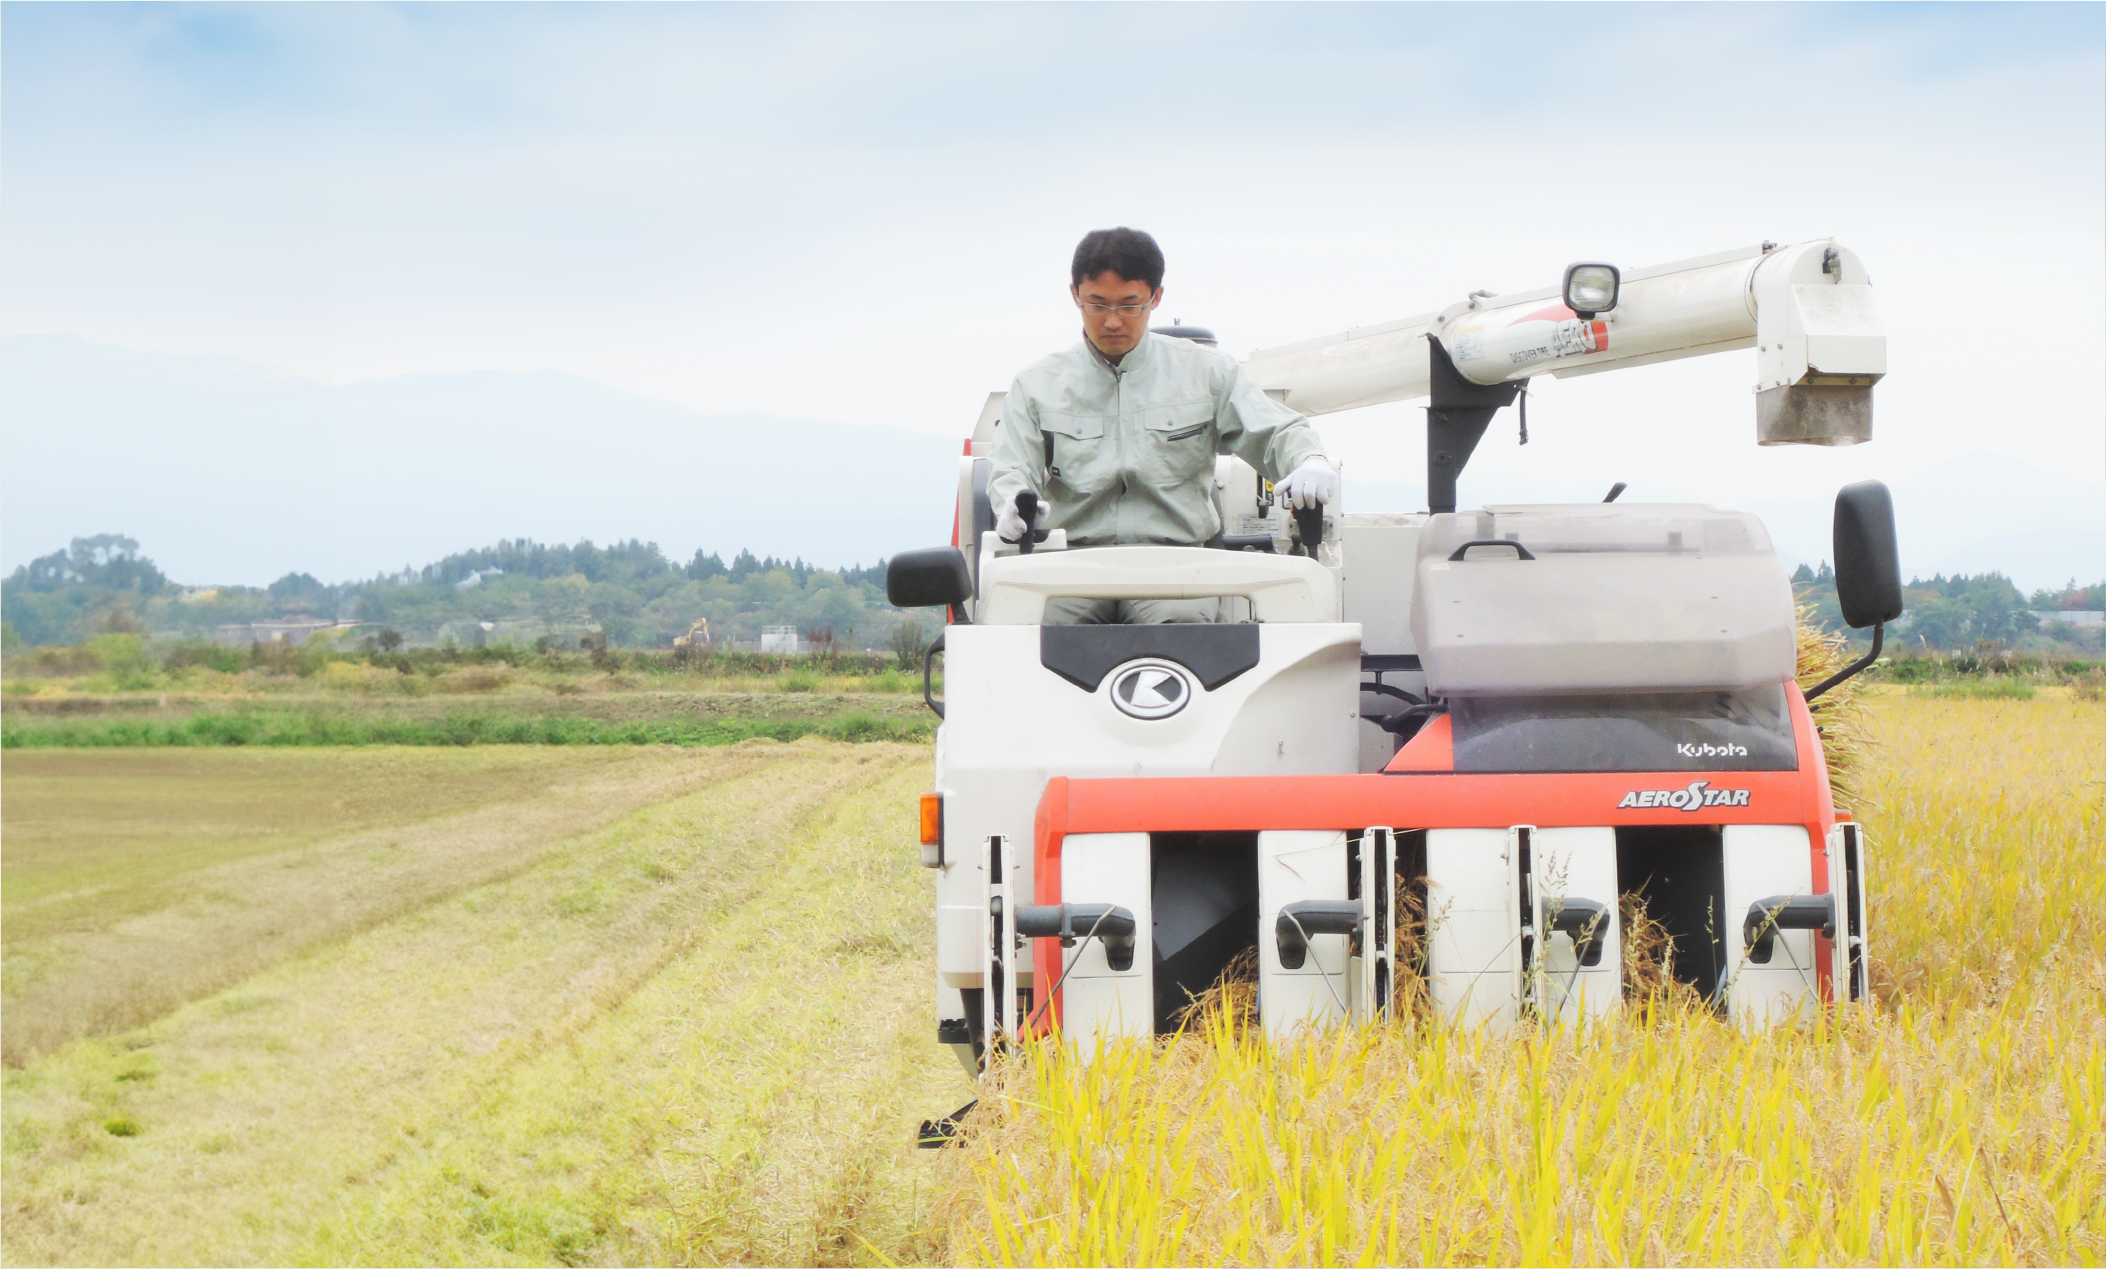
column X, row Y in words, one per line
column 1358, row 752
column 1114, row 440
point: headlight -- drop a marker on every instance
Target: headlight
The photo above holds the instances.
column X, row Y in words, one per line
column 1591, row 288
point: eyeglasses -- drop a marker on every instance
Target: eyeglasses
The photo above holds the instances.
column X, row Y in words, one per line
column 1123, row 310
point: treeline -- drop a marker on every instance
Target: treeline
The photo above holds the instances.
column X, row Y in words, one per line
column 577, row 596
column 622, row 562
column 98, row 585
column 1963, row 613
column 629, row 595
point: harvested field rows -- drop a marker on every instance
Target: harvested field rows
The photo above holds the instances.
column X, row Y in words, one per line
column 696, row 1030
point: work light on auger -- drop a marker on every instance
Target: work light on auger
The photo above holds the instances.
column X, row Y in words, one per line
column 1591, row 289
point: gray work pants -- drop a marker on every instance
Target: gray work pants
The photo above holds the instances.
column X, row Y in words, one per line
column 1131, row 612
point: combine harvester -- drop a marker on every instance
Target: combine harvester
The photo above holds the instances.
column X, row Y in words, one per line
column 1517, row 715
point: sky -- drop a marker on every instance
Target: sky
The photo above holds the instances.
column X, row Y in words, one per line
column 863, row 213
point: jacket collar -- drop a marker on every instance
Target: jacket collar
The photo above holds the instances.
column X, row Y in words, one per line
column 1136, row 360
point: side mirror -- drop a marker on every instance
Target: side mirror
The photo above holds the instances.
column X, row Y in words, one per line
column 1867, row 559
column 933, row 577
column 1591, row 289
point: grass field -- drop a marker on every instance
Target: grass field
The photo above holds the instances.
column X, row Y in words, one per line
column 591, row 1005
column 602, row 711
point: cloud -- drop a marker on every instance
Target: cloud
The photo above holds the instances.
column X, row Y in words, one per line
column 863, row 213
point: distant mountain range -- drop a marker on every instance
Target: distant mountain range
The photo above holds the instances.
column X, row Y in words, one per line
column 229, row 473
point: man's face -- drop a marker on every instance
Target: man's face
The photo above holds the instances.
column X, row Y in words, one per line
column 1112, row 331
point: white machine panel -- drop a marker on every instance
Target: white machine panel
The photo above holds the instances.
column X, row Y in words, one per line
column 1292, row 713
column 1293, row 866
column 1006, row 953
column 1853, row 945
column 1381, row 553
column 1764, row 860
column 1606, row 600
column 1375, row 969
column 1473, row 918
column 1098, row 1003
column 1577, row 863
column 958, row 930
column 1282, row 589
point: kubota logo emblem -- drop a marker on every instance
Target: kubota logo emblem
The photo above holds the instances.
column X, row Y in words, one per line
column 1696, row 797
column 1150, row 691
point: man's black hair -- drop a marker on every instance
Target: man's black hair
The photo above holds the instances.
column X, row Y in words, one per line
column 1129, row 253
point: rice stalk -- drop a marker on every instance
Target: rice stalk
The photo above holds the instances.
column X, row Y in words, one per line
column 1231, row 1002
column 1409, row 995
column 1839, row 714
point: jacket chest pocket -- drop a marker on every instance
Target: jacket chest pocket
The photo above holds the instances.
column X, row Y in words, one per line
column 1077, row 451
column 1177, row 442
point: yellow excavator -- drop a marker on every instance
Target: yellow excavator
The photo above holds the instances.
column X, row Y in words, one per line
column 697, row 635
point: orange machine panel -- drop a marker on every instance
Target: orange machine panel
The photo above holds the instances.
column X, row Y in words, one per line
column 1428, row 794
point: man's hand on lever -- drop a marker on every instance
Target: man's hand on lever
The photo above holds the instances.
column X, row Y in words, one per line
column 1011, row 523
column 1306, row 490
column 1313, row 484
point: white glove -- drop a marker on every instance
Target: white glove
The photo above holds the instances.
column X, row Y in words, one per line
column 1010, row 525
column 1312, row 484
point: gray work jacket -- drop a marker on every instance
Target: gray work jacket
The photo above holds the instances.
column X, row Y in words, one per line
column 1125, row 453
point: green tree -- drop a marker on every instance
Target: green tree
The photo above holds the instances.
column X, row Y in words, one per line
column 67, row 595
column 1963, row 612
column 109, row 561
column 908, row 643
column 123, row 657
column 300, row 592
column 1817, row 589
column 2071, row 598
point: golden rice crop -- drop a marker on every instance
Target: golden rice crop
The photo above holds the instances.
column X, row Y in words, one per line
column 1838, row 714
column 1956, row 1120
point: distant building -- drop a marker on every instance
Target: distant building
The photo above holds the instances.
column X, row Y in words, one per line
column 467, row 634
column 293, row 631
column 2075, row 617
column 519, row 631
column 780, row 639
column 476, row 578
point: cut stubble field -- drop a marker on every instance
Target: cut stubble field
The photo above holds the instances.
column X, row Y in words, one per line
column 628, row 1005
column 523, row 1004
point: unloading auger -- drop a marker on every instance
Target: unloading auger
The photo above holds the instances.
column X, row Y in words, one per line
column 1508, row 719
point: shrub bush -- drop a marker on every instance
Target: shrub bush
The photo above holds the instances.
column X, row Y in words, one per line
column 908, row 643
column 201, row 654
column 123, row 657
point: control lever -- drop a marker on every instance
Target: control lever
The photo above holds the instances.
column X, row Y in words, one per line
column 1027, row 511
column 1310, row 520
